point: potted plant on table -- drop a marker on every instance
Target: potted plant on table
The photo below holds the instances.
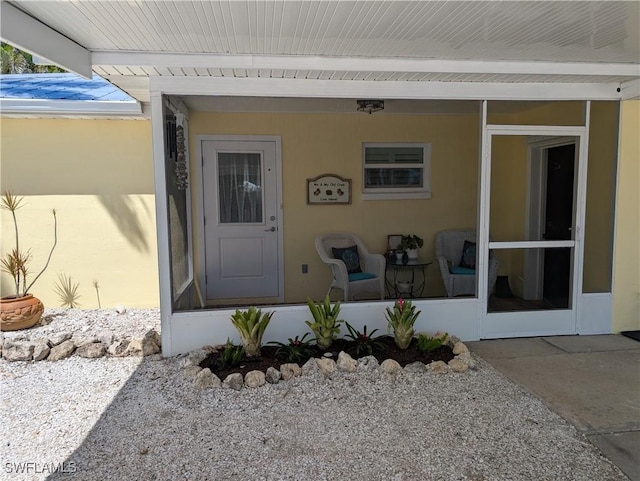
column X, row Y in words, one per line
column 410, row 244
column 20, row 310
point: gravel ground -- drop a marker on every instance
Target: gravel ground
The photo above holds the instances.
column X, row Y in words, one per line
column 142, row 419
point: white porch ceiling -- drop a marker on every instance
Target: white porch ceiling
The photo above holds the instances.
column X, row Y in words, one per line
column 381, row 41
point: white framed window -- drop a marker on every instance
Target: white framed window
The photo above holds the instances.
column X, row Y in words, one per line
column 396, row 171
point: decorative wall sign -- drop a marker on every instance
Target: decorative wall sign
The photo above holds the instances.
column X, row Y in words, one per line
column 328, row 189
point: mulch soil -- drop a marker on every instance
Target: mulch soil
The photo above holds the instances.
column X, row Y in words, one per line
column 268, row 356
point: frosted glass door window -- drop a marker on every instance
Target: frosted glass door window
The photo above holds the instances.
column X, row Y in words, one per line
column 240, row 187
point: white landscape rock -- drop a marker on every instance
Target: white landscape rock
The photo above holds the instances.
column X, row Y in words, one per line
column 368, row 363
column 438, row 367
column 91, row 350
column 118, row 348
column 309, row 367
column 40, row 351
column 191, row 371
column 290, row 370
column 205, row 379
column 59, row 338
column 254, row 379
column 346, row 362
column 272, row 375
column 459, row 348
column 194, row 358
column 18, row 352
column 391, row 366
column 62, row 350
column 467, row 359
column 146, row 346
column 326, row 365
column 457, row 365
column 233, row 381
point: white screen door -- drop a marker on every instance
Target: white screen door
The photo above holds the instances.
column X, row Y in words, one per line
column 534, row 210
column 241, row 219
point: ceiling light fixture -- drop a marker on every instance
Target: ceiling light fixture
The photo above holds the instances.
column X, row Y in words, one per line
column 370, row 105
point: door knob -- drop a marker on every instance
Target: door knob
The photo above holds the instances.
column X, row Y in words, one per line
column 273, row 229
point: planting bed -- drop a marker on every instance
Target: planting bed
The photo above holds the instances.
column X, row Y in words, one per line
column 269, row 359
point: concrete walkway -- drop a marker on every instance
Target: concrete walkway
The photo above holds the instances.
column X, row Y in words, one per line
column 591, row 381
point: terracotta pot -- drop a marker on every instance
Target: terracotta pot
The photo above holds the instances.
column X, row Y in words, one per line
column 19, row 312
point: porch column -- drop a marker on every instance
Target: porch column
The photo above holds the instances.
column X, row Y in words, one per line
column 626, row 274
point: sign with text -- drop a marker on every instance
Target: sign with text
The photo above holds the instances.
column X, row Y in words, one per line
column 328, row 189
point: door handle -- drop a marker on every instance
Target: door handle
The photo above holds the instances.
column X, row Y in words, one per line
column 273, row 229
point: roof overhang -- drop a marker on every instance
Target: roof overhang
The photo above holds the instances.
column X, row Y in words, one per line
column 33, row 36
column 464, row 50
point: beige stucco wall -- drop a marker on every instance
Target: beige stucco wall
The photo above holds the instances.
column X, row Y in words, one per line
column 98, row 175
column 318, row 143
column 626, row 281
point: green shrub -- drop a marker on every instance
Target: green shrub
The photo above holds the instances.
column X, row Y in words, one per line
column 251, row 325
column 326, row 324
column 401, row 319
column 428, row 343
column 231, row 355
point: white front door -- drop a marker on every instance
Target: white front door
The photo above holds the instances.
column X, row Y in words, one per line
column 241, row 219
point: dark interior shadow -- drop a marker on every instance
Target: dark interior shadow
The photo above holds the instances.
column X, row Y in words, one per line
column 126, row 218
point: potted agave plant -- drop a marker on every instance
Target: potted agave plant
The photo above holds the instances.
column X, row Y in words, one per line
column 20, row 310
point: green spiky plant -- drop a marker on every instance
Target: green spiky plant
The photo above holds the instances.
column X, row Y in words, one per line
column 365, row 344
column 231, row 355
column 427, row 343
column 251, row 325
column 16, row 262
column 401, row 319
column 325, row 325
column 295, row 350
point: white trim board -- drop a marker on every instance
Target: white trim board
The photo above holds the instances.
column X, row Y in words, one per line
column 70, row 107
column 360, row 64
column 272, row 87
column 193, row 329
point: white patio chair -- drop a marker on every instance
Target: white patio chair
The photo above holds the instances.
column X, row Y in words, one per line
column 372, row 277
column 449, row 246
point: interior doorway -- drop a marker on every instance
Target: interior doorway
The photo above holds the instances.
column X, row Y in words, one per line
column 558, row 222
column 552, row 208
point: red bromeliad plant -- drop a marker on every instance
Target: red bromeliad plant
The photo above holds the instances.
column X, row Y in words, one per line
column 365, row 344
column 401, row 319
